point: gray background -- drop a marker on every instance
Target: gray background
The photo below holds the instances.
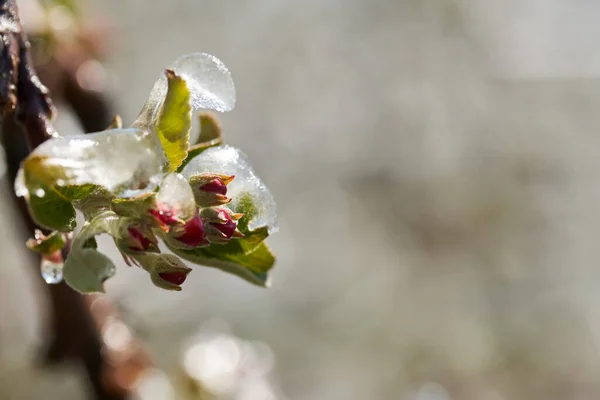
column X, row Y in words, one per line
column 436, row 168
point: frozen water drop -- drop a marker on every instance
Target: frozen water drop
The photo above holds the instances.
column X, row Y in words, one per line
column 40, row 192
column 208, row 80
column 52, row 272
column 127, row 162
column 228, row 160
column 20, row 187
column 176, row 194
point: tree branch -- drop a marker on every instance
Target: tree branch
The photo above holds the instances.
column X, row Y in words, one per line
column 77, row 322
column 20, row 88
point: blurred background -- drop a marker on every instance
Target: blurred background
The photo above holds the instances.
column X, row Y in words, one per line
column 436, row 168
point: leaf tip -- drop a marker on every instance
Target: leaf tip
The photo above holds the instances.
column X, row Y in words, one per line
column 170, row 74
column 116, row 123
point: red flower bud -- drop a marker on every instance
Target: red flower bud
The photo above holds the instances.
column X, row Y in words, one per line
column 210, row 189
column 139, row 242
column 136, row 237
column 164, row 216
column 192, row 233
column 222, row 224
column 166, row 270
column 215, row 186
column 228, row 228
column 176, row 278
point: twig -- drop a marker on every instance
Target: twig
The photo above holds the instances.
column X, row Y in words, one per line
column 78, row 323
column 20, row 88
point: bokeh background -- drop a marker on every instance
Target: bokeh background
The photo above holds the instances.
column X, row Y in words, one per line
column 436, row 165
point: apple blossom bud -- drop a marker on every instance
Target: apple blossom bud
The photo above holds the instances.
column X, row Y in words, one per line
column 220, row 224
column 210, row 189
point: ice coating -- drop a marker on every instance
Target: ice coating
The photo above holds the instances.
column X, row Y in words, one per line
column 228, row 160
column 20, row 187
column 124, row 161
column 176, row 193
column 208, row 80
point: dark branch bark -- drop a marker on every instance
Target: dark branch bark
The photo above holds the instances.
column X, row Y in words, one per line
column 9, row 54
column 20, row 89
column 75, row 329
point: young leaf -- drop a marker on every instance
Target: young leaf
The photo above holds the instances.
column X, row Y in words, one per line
column 232, row 258
column 46, row 244
column 51, row 211
column 123, row 161
column 210, row 130
column 88, row 198
column 106, row 222
column 78, row 192
column 85, row 268
column 174, row 120
column 135, row 207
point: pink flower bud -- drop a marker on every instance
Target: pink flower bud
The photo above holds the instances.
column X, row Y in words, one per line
column 164, row 216
column 166, row 270
column 139, row 241
column 227, row 228
column 138, row 238
column 221, row 224
column 215, row 186
column 210, row 189
column 176, row 278
column 191, row 233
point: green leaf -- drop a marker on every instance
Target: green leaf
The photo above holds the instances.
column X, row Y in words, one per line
column 91, row 243
column 210, row 130
column 134, row 207
column 106, row 222
column 89, row 198
column 249, row 257
column 85, row 268
column 79, row 192
column 47, row 208
column 51, row 211
column 39, row 171
column 174, row 120
column 252, row 266
column 46, row 244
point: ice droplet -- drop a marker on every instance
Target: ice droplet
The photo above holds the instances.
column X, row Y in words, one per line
column 51, row 272
column 208, row 80
column 40, row 192
column 20, row 187
column 127, row 162
column 175, row 192
column 228, row 160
